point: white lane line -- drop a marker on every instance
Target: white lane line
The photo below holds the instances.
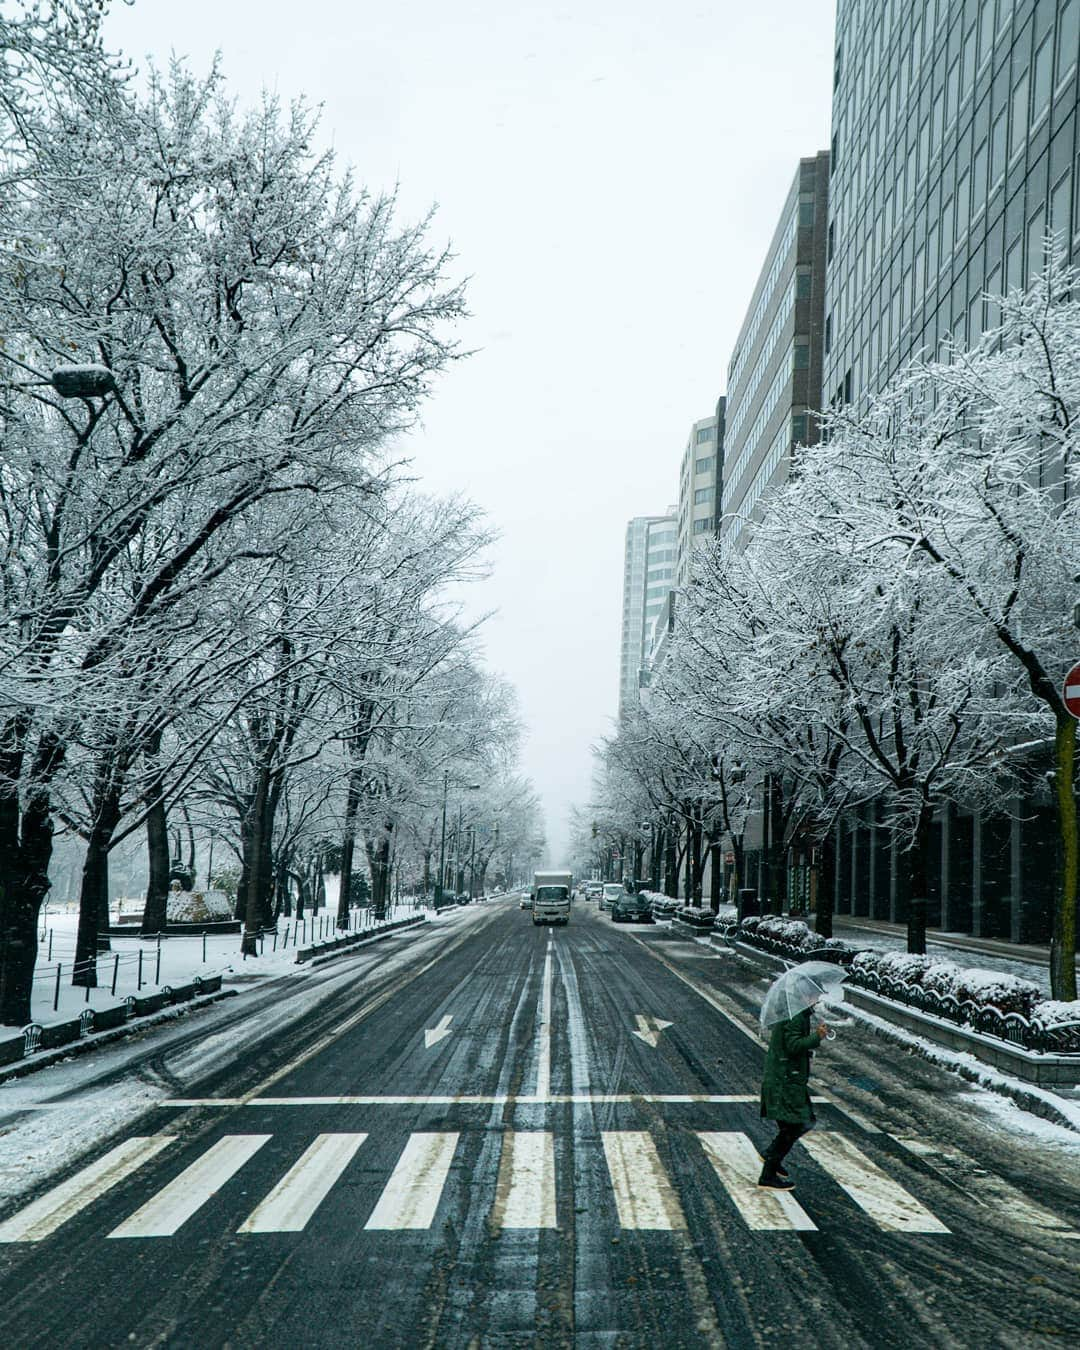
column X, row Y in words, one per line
column 525, row 1194
column 411, row 1196
column 987, row 1189
column 304, row 1186
column 735, row 1161
column 45, row 1215
column 543, row 1072
column 644, row 1196
column 162, row 1215
column 469, row 1099
column 887, row 1203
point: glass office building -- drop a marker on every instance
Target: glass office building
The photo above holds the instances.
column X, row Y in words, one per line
column 774, row 375
column 955, row 150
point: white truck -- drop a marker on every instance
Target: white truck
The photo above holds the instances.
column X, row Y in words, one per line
column 551, row 897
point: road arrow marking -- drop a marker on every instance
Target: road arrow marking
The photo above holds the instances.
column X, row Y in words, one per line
column 433, row 1035
column 649, row 1028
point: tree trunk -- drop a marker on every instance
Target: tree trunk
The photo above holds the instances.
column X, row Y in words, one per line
column 1063, row 939
column 914, row 880
column 25, row 850
column 157, row 853
column 379, row 863
column 255, row 856
column 348, row 845
column 825, row 884
column 671, row 861
column 714, row 876
column 94, row 894
column 427, row 871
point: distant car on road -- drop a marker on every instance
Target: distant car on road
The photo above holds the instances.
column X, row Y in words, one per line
column 611, row 892
column 631, row 909
column 526, row 901
column 593, row 890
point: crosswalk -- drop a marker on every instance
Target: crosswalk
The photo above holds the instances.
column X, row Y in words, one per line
column 643, row 1193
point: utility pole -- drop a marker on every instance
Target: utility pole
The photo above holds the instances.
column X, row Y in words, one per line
column 442, row 842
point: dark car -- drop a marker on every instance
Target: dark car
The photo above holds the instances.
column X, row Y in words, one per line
column 631, row 909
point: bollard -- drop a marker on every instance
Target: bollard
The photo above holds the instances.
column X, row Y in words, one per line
column 87, row 998
column 157, row 964
column 138, row 981
column 56, row 995
column 115, row 972
column 49, row 957
column 204, row 947
column 274, row 948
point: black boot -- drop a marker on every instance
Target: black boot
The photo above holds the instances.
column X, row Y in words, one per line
column 780, row 1171
column 771, row 1177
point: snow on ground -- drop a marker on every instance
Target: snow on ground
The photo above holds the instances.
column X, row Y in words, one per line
column 134, row 966
column 1000, row 1086
column 48, row 1119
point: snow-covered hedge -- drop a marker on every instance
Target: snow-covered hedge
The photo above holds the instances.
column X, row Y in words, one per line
column 985, row 988
column 1052, row 1012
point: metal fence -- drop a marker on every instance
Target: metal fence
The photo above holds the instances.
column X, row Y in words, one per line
column 1057, row 1038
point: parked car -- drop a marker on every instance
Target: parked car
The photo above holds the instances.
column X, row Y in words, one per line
column 594, row 890
column 628, row 908
column 610, row 893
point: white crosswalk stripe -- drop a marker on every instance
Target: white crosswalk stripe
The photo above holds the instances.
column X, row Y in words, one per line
column 304, row 1186
column 735, row 1161
column 887, row 1203
column 525, row 1192
column 45, row 1215
column 644, row 1196
column 411, row 1196
column 162, row 1215
column 986, row 1189
column 525, row 1188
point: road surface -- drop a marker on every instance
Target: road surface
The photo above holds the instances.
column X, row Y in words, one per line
column 547, row 1137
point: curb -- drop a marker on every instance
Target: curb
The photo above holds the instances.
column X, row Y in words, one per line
column 95, row 1040
column 1026, row 1095
column 309, row 956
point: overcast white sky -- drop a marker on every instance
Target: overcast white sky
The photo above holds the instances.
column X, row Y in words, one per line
column 609, row 173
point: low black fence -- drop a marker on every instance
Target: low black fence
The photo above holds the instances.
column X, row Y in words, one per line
column 51, row 1035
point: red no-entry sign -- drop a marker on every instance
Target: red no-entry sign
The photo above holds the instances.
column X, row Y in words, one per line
column 1070, row 691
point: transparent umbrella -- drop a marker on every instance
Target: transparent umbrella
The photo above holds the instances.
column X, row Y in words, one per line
column 800, row 987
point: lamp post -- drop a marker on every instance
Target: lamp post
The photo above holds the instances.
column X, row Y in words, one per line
column 442, row 843
column 471, row 787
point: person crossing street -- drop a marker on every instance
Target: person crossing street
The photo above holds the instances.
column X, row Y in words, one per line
column 785, row 1092
column 785, row 1088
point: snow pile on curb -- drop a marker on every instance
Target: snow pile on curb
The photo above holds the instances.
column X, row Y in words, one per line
column 1040, row 1101
column 792, row 931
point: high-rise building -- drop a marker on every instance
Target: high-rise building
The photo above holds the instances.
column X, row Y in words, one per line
column 774, row 376
column 647, row 578
column 955, row 149
column 698, row 484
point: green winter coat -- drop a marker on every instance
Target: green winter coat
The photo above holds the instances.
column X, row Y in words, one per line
column 785, row 1091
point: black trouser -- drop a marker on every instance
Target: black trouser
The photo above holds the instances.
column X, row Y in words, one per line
column 787, row 1134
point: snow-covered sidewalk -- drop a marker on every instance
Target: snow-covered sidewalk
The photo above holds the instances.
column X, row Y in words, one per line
column 142, row 967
